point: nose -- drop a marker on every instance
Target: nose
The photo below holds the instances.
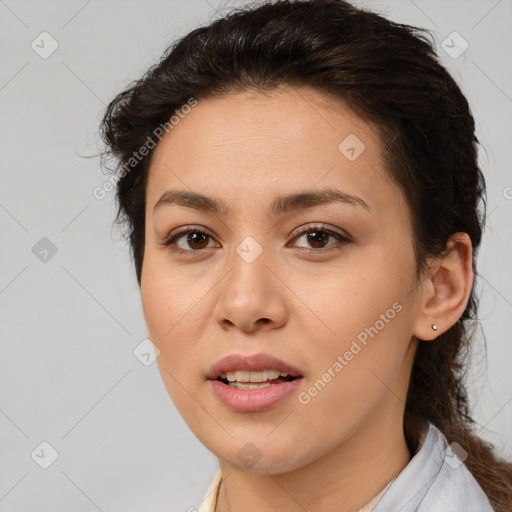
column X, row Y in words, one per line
column 252, row 296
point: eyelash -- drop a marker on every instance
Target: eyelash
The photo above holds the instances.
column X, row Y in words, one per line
column 171, row 239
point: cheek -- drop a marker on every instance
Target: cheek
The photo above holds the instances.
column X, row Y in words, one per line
column 157, row 311
column 342, row 302
column 175, row 310
column 352, row 379
column 363, row 333
column 169, row 296
column 168, row 318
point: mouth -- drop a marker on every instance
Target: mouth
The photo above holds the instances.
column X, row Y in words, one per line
column 240, row 379
column 252, row 369
column 253, row 383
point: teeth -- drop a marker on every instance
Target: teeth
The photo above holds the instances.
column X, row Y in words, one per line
column 245, row 376
column 242, row 385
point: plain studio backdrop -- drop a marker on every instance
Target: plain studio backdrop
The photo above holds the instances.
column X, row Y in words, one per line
column 76, row 393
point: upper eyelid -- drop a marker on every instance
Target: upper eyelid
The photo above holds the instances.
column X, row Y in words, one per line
column 320, row 227
column 299, row 230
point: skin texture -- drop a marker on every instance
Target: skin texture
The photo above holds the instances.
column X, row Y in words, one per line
column 340, row 449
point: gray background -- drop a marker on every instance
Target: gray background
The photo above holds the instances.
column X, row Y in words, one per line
column 70, row 324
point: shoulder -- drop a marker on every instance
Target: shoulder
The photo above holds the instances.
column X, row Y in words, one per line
column 435, row 480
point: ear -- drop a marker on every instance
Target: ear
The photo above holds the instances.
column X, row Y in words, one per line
column 446, row 288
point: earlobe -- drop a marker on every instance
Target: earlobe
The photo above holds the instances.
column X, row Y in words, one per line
column 446, row 289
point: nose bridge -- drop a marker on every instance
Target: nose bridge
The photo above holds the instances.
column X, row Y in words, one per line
column 250, row 250
column 249, row 261
column 249, row 293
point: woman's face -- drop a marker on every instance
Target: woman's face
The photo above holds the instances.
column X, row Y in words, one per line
column 338, row 303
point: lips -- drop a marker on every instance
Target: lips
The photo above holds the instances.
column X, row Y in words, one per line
column 254, row 362
column 264, row 394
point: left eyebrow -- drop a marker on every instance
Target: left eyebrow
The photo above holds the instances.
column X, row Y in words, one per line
column 281, row 205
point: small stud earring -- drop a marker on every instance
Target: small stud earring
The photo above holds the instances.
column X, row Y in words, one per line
column 434, row 327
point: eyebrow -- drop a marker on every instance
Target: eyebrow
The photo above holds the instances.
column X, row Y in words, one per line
column 281, row 205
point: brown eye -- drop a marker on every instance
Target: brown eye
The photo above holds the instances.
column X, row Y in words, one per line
column 188, row 240
column 197, row 240
column 317, row 237
column 194, row 240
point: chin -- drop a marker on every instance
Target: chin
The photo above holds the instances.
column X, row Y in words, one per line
column 259, row 455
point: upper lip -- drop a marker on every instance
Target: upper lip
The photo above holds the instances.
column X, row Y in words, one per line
column 254, row 362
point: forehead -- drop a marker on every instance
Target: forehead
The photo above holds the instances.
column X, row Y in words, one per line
column 285, row 139
column 263, row 123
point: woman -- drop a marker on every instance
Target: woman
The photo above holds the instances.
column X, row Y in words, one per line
column 302, row 195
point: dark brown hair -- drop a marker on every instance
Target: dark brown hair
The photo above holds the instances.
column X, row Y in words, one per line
column 389, row 74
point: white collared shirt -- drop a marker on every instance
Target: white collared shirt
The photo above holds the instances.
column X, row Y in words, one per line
column 434, row 480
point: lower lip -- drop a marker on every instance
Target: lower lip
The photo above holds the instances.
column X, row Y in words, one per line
column 252, row 400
